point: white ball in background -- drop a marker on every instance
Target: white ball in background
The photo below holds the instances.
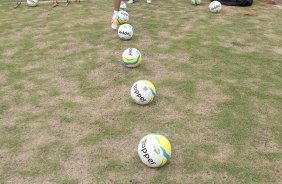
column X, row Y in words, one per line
column 122, row 6
column 32, row 2
column 215, row 6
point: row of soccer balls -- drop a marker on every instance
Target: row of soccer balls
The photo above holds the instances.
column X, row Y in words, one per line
column 215, row 6
column 126, row 31
column 154, row 150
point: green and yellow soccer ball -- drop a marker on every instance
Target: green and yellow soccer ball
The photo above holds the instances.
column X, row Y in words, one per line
column 131, row 57
column 143, row 92
column 154, row 150
column 123, row 17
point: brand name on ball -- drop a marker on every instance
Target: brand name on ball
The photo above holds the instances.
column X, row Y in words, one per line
column 145, row 152
column 130, row 52
column 124, row 33
column 216, row 6
column 125, row 14
column 136, row 91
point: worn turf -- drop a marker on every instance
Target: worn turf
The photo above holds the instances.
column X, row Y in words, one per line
column 65, row 108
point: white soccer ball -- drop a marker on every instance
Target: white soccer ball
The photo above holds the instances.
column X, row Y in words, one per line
column 122, row 6
column 125, row 31
column 32, row 2
column 131, row 57
column 195, row 2
column 215, row 6
column 143, row 92
column 154, row 150
column 123, row 17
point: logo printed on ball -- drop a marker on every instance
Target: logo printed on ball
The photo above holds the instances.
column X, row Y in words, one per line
column 130, row 52
column 146, row 155
column 216, row 6
column 138, row 94
column 125, row 33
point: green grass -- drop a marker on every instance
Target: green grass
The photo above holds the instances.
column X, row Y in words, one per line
column 66, row 115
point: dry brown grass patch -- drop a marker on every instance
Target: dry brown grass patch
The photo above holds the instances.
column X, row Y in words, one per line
column 268, row 143
column 104, row 75
column 225, row 152
column 44, row 44
column 65, row 85
column 10, row 52
column 122, row 149
column 279, row 174
column 161, row 72
column 145, row 41
column 145, row 175
column 30, row 147
column 3, row 77
column 70, row 132
column 239, row 45
column 69, row 47
column 209, row 95
column 85, row 21
column 278, row 50
column 277, row 92
column 78, row 166
column 265, row 110
column 169, row 112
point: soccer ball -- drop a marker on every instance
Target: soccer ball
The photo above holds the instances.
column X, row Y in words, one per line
column 32, row 2
column 195, row 2
column 154, row 150
column 143, row 92
column 131, row 57
column 122, row 6
column 215, row 6
column 125, row 31
column 123, row 17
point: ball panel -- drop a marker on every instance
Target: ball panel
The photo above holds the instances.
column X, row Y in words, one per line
column 151, row 87
column 133, row 62
column 166, row 156
column 164, row 143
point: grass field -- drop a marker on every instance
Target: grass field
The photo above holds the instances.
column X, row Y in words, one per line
column 66, row 115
